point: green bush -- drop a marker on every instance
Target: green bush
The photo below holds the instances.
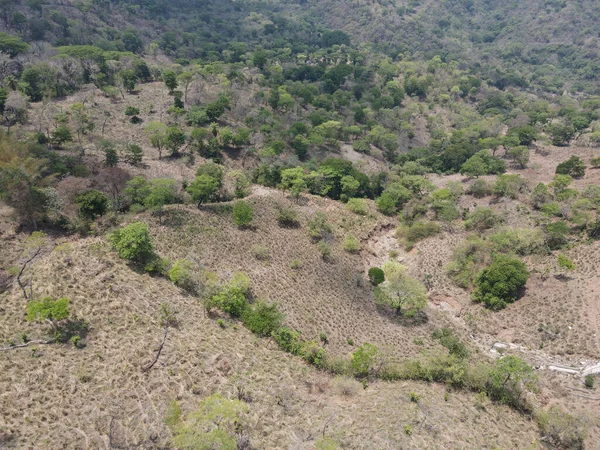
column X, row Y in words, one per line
column 562, row 429
column 92, row 204
column 231, row 301
column 133, row 242
column 318, row 227
column 376, row 276
column 416, row 232
column 357, row 206
column 288, row 340
column 574, row 167
column 482, row 219
column 242, row 214
column 448, row 339
column 351, row 244
column 181, row 274
column 262, row 319
column 363, row 359
column 287, row 217
column 468, row 259
column 501, row 282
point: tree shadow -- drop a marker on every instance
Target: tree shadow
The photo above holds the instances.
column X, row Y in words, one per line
column 420, row 318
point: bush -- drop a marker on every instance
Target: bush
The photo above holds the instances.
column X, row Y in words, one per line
column 376, row 276
column 562, row 429
column 262, row 319
column 574, row 167
column 521, row 241
column 452, row 342
column 479, row 188
column 133, row 242
column 231, row 300
column 287, row 217
column 92, row 204
column 260, row 252
column 357, row 206
column 180, row 274
column 242, row 214
column 318, row 228
column 324, row 250
column 467, row 261
column 351, row 244
column 589, row 381
column 500, row 283
column 364, row 358
column 482, row 219
column 288, row 340
column 418, row 231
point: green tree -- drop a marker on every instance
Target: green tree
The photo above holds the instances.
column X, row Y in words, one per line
column 60, row 136
column 574, row 167
column 133, row 242
column 157, row 133
column 242, row 214
column 212, row 426
column 174, row 139
column 364, row 358
column 294, row 180
column 474, row 167
column 161, row 192
column 170, row 79
column 405, row 294
column 12, row 45
column 501, row 282
column 92, row 204
column 203, row 188
column 520, row 155
column 507, row 380
column 133, row 154
column 50, row 310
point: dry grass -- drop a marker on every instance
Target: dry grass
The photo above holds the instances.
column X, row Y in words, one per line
column 68, row 398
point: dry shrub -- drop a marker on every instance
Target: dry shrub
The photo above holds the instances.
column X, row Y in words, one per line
column 347, row 387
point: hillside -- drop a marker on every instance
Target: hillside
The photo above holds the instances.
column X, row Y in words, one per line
column 313, row 225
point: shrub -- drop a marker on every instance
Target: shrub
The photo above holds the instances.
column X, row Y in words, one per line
column 562, row 429
column 230, row 300
column 313, row 354
column 351, row 244
column 482, row 219
column 589, row 381
column 357, row 206
column 324, row 250
column 287, row 217
column 133, row 242
column 574, row 167
column 565, row 263
column 260, row 252
column 479, row 188
column 500, row 283
column 405, row 294
column 364, row 358
column 376, row 276
column 347, row 387
column 242, row 214
column 288, row 339
column 181, row 274
column 318, row 228
column 509, row 186
column 522, row 241
column 448, row 339
column 416, row 232
column 467, row 261
column 215, row 424
column 262, row 319
column 92, row 204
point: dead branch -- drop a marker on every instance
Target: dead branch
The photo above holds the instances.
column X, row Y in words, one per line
column 21, row 285
column 166, row 330
column 12, row 347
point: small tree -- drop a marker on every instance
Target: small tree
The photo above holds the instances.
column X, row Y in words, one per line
column 157, row 133
column 162, row 191
column 174, row 139
column 203, row 188
column 92, row 204
column 376, row 276
column 50, row 310
column 574, row 167
column 133, row 154
column 242, row 214
column 133, row 242
column 60, row 136
column 500, row 283
column 170, row 79
column 405, row 294
column 111, row 158
column 474, row 167
column 520, row 155
column 364, row 358
column 213, row 425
